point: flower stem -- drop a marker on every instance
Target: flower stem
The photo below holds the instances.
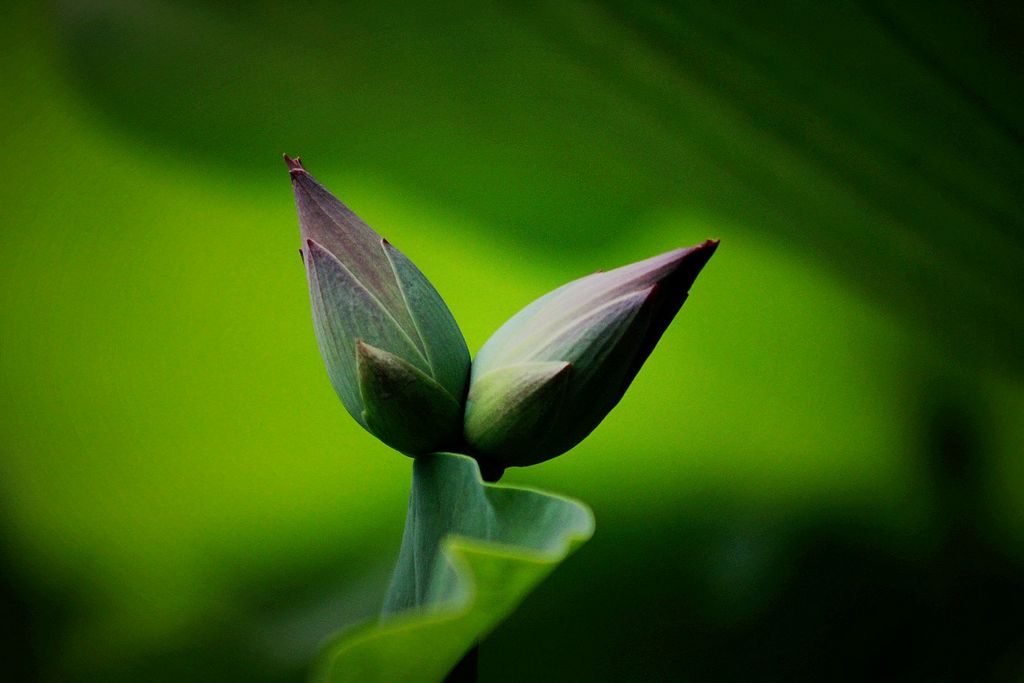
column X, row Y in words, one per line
column 468, row 668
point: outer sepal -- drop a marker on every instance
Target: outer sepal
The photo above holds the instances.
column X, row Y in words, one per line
column 405, row 408
column 512, row 409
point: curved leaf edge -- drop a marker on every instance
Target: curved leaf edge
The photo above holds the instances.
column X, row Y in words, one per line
column 458, row 551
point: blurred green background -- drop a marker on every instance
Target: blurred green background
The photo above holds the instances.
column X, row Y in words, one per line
column 817, row 476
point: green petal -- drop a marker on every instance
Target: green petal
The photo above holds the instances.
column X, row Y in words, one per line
column 324, row 219
column 440, row 335
column 518, row 339
column 344, row 311
column 510, row 410
column 405, row 408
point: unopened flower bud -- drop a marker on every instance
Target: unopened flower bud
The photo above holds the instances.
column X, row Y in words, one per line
column 550, row 374
column 393, row 351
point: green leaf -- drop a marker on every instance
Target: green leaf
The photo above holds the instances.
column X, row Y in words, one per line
column 470, row 554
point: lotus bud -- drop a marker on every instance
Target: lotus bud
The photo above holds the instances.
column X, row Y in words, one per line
column 551, row 373
column 393, row 351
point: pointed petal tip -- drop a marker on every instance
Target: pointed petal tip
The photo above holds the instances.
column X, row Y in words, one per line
column 370, row 353
column 683, row 265
column 313, row 251
column 367, row 353
column 698, row 256
column 701, row 253
column 698, row 253
column 557, row 373
column 294, row 165
column 706, row 245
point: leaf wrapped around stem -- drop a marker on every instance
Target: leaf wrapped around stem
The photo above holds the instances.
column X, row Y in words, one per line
column 470, row 554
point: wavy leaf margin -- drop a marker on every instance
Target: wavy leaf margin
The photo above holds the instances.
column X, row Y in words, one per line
column 471, row 552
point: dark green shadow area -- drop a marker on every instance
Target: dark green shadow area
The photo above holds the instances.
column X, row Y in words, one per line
column 883, row 140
